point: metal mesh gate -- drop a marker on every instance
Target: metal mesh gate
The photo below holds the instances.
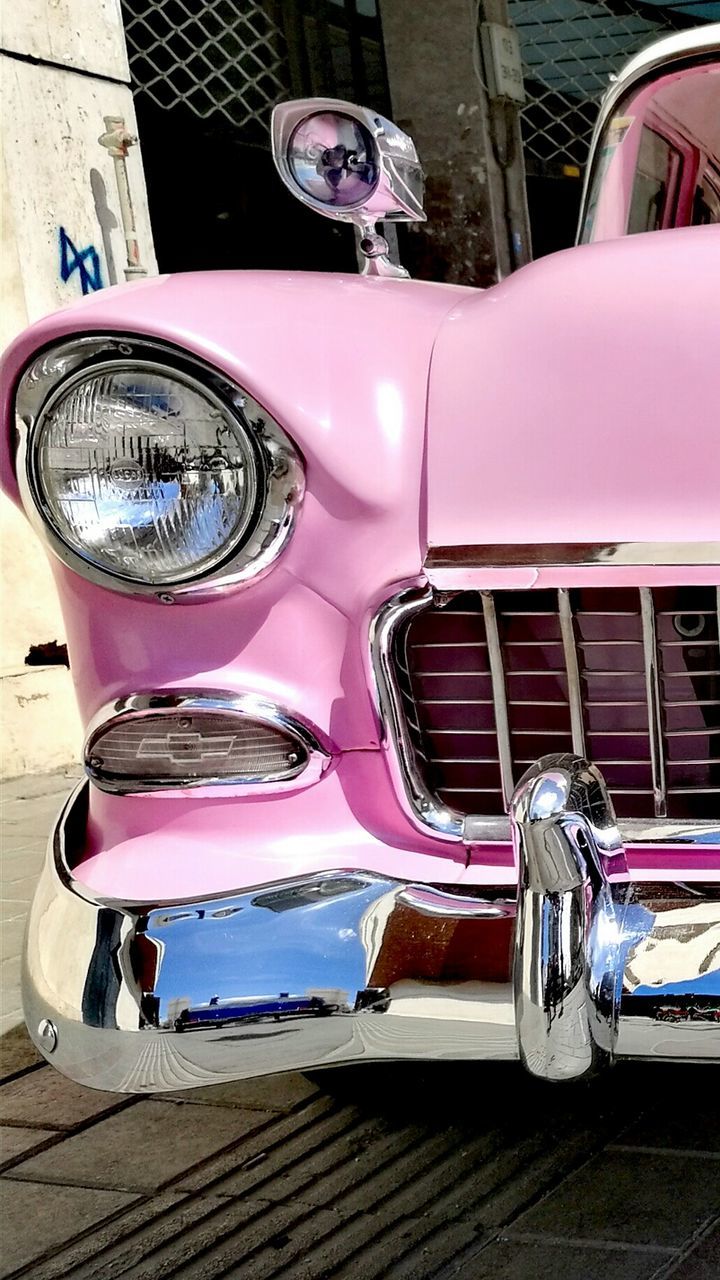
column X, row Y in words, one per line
column 229, row 61
column 205, row 76
column 217, row 57
column 569, row 49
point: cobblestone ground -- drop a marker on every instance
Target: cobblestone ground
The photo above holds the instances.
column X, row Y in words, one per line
column 474, row 1172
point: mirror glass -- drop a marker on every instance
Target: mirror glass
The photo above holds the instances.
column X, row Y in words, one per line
column 333, row 159
column 657, row 163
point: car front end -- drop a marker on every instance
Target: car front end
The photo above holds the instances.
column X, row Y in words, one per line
column 392, row 611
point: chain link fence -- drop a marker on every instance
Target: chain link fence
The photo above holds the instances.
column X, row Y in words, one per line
column 218, row 58
column 569, row 49
column 230, row 59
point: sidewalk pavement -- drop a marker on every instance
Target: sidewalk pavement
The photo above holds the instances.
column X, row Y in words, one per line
column 404, row 1172
column 27, row 811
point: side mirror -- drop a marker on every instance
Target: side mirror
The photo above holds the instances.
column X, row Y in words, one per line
column 352, row 165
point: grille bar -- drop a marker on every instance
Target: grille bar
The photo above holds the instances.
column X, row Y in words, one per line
column 567, row 627
column 497, row 675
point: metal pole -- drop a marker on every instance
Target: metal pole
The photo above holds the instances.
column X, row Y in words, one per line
column 118, row 141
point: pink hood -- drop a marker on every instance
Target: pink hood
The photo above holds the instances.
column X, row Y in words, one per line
column 578, row 401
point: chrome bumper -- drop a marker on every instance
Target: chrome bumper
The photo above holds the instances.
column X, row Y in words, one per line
column 347, row 966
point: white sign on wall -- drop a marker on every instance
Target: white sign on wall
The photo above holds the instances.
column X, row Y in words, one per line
column 503, row 64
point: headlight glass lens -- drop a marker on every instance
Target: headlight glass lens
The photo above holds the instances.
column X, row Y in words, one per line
column 145, row 474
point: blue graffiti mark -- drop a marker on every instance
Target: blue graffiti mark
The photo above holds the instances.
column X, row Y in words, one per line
column 85, row 261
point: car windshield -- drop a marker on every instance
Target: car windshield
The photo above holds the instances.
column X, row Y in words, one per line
column 657, row 164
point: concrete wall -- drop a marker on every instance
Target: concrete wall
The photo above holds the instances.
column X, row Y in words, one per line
column 477, row 230
column 59, row 200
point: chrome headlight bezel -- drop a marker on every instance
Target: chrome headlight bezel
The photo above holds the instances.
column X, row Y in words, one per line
column 278, row 464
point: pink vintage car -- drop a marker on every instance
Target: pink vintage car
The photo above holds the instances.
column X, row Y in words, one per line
column 383, row 599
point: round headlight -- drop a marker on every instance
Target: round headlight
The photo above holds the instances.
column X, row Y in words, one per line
column 148, row 470
column 145, row 473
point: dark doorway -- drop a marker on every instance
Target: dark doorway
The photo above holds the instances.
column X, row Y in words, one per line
column 205, row 81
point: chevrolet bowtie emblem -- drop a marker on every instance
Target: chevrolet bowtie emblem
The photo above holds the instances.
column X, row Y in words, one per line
column 180, row 748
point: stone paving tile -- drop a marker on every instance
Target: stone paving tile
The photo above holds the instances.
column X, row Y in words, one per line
column 46, row 1099
column 632, row 1197
column 450, row 1202
column 701, row 1263
column 11, row 936
column 694, row 1126
column 325, row 1243
column 17, row 1053
column 41, row 786
column 271, row 1093
column 214, row 1235
column 414, row 1248
column 520, row 1260
column 116, row 1244
column 244, row 1238
column 156, row 1236
column 10, row 1020
column 142, row 1148
column 13, row 909
column 36, row 1219
column 16, row 1142
column 6, row 966
column 22, row 858
column 217, row 1176
column 23, row 886
column 274, row 1162
column 22, row 852
column 388, row 1185
column 27, row 812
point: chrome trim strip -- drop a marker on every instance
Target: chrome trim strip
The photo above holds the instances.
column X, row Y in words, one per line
column 314, row 757
column 654, row 702
column 561, row 555
column 424, row 811
column 634, row 831
column 497, row 680
column 567, row 628
column 121, row 995
column 280, row 467
column 421, row 807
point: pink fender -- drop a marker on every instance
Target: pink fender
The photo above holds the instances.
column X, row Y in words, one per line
column 342, row 363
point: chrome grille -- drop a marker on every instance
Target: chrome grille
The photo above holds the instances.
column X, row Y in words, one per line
column 490, row 681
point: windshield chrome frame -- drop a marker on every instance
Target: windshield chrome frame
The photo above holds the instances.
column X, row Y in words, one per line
column 683, row 49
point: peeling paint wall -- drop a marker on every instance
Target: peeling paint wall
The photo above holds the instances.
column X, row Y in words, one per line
column 64, row 67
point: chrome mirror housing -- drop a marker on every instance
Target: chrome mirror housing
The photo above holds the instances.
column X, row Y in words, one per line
column 352, row 165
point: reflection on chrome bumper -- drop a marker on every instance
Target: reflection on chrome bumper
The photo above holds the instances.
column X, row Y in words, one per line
column 350, row 966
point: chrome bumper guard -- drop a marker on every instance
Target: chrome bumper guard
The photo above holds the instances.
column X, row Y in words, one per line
column 346, row 966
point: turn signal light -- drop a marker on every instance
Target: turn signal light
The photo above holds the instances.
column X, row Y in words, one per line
column 138, row 747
